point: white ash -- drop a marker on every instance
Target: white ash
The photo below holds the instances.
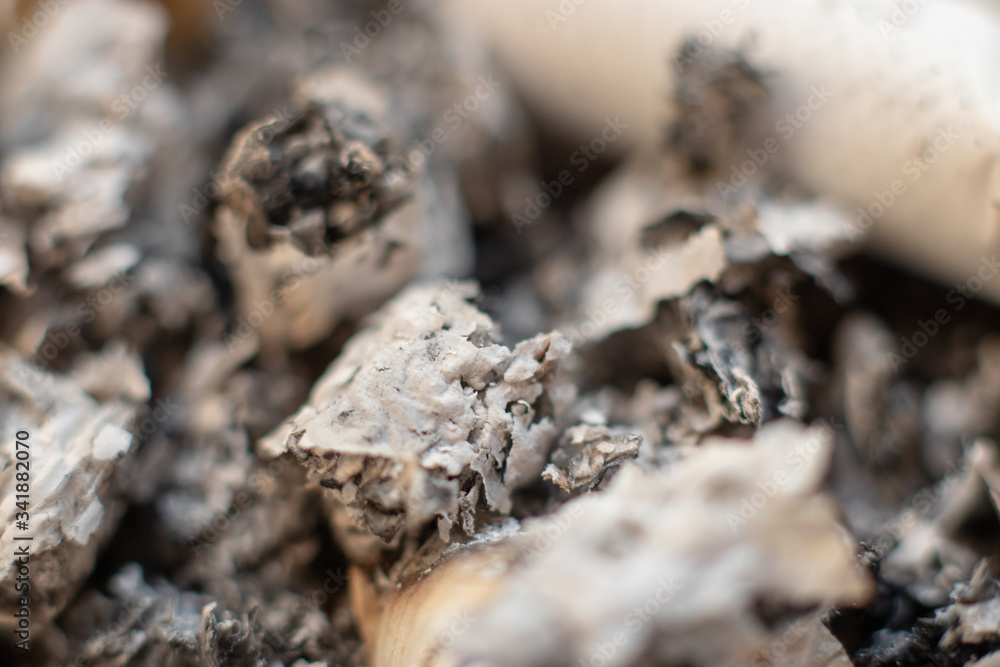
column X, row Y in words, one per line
column 97, row 268
column 69, row 184
column 78, row 447
column 719, row 579
column 656, row 235
column 953, row 408
column 113, row 373
column 661, row 244
column 661, row 416
column 424, row 417
column 923, row 545
column 271, row 509
column 587, row 455
column 13, row 256
column 805, row 642
column 156, row 624
column 204, row 474
column 97, row 159
column 715, row 352
column 963, row 628
column 84, row 59
column 319, row 225
column 270, row 611
column 974, row 615
column 736, row 378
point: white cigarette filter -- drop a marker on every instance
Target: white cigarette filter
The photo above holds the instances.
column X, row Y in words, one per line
column 887, row 108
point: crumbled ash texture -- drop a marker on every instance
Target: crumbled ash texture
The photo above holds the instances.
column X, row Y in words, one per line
column 657, row 235
column 94, row 168
column 275, row 615
column 228, row 641
column 322, row 174
column 201, row 255
column 155, row 623
column 587, row 454
column 961, row 632
column 424, row 416
column 933, row 543
column 321, row 221
column 653, row 241
column 724, row 374
column 974, row 615
column 65, row 196
column 75, row 451
column 670, row 583
column 716, row 351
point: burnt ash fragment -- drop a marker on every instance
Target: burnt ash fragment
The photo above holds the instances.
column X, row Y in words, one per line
column 425, row 419
column 587, row 455
column 318, row 176
column 717, row 93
